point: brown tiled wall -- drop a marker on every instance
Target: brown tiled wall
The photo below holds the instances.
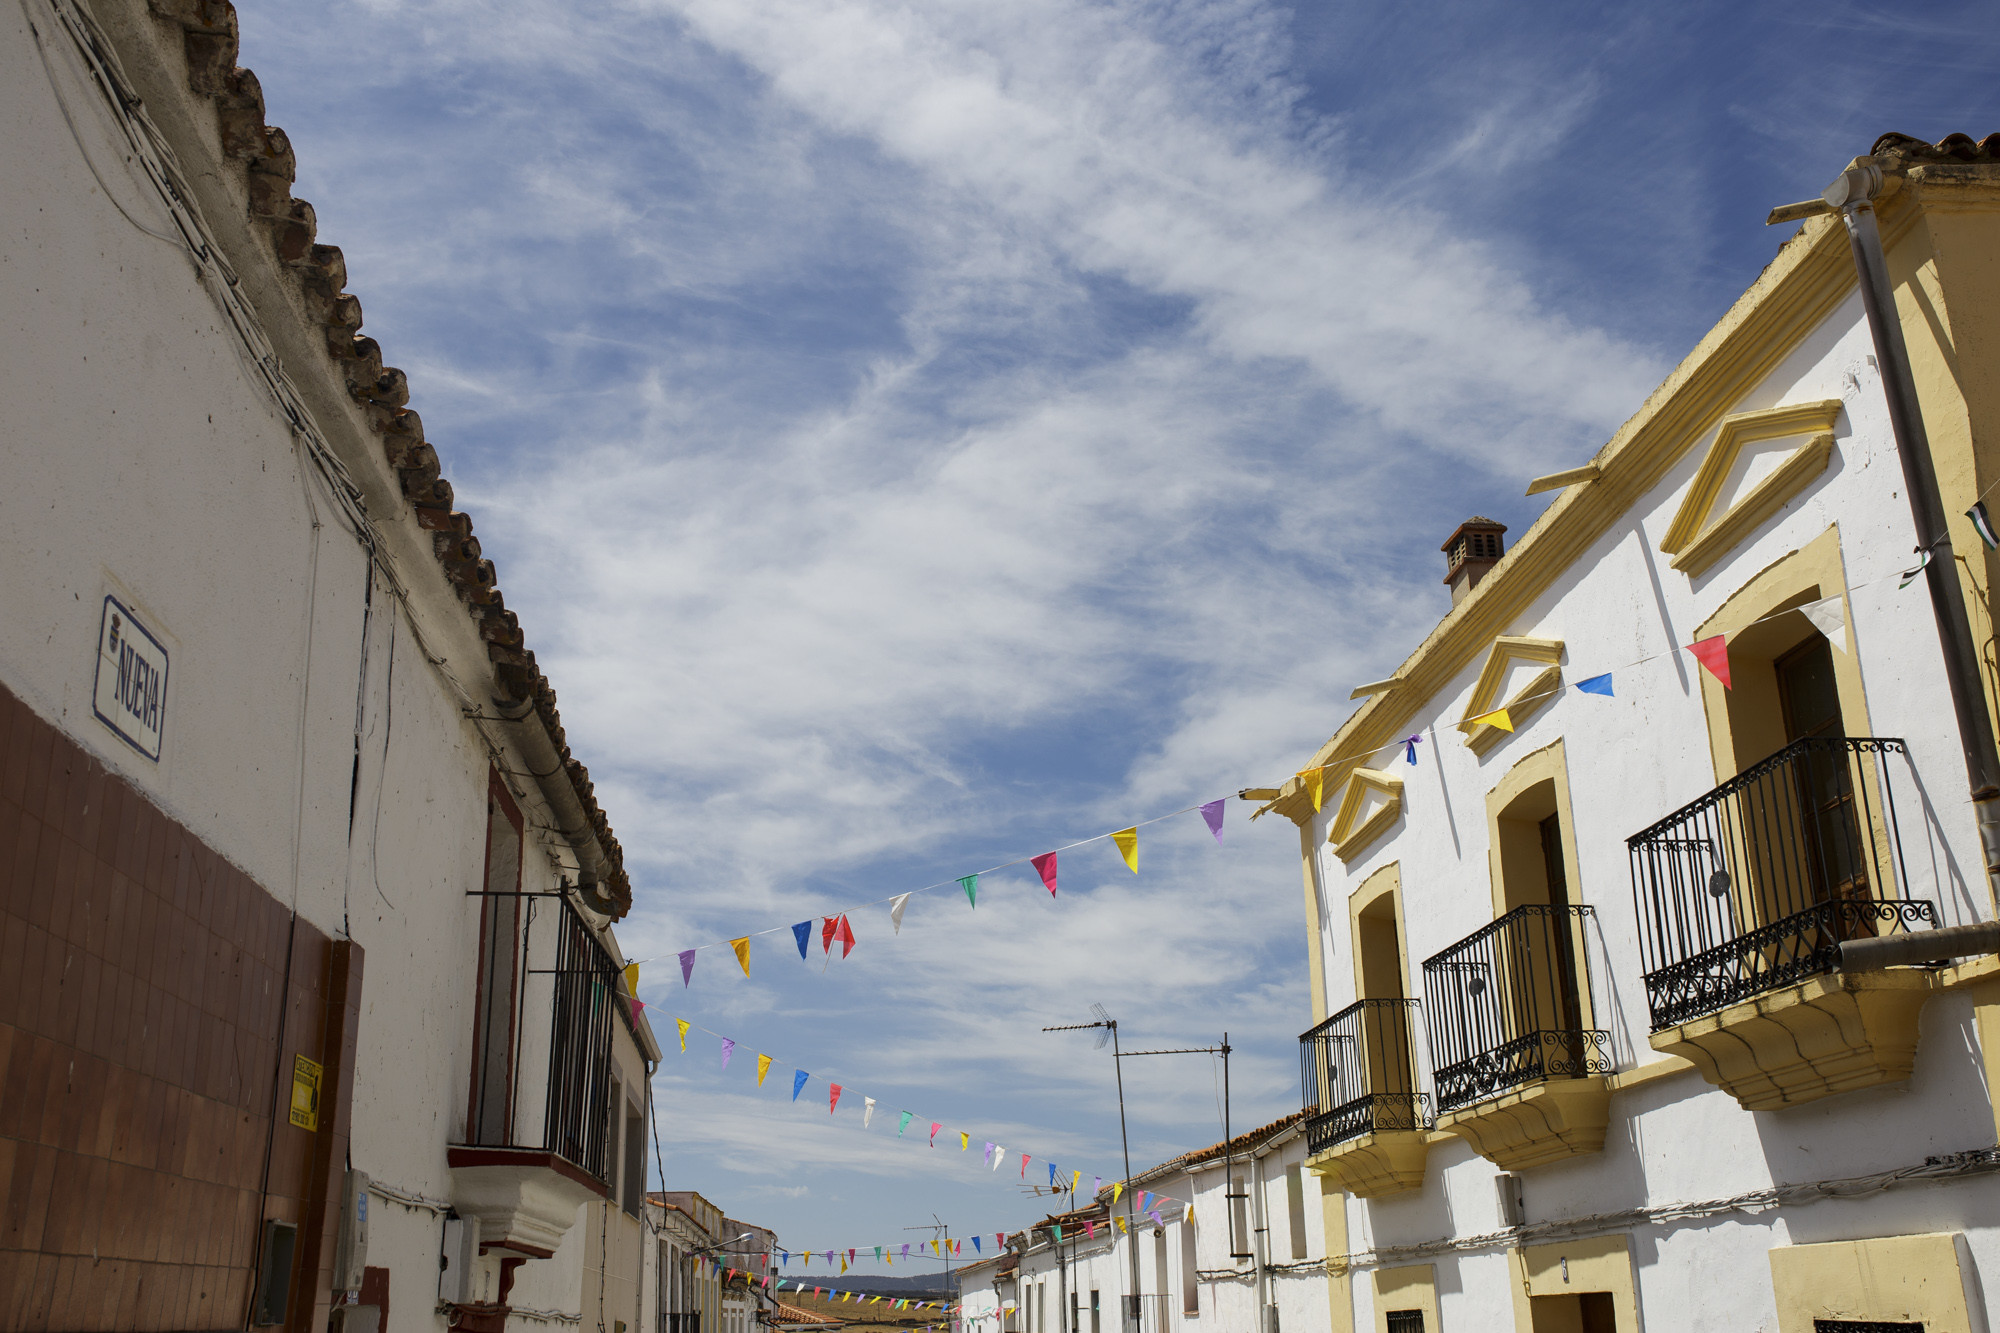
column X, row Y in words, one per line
column 139, row 1023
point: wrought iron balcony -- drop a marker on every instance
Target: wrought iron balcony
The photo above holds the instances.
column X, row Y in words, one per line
column 1358, row 1074
column 1753, row 887
column 559, row 1070
column 1504, row 1007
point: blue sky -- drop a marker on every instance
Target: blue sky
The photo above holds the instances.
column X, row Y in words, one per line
column 915, row 437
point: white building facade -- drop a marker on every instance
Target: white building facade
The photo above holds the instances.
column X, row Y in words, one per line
column 1587, row 1055
column 1207, row 1256
column 307, row 907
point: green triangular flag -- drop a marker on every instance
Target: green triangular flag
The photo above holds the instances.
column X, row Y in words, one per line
column 971, row 886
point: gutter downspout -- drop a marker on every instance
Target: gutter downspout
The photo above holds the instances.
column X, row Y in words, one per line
column 1853, row 194
column 1260, row 1239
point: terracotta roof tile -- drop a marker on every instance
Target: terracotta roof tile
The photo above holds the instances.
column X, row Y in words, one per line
column 264, row 152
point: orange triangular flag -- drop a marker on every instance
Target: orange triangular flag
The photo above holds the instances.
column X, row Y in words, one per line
column 1713, row 653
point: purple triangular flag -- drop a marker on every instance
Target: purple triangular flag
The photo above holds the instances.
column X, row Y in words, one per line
column 728, row 1049
column 687, row 968
column 1212, row 813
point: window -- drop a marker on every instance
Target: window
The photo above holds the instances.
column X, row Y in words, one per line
column 490, row 1113
column 1190, row 1288
column 1406, row 1321
column 1295, row 1209
column 1072, row 1312
column 1096, row 1313
column 635, row 1159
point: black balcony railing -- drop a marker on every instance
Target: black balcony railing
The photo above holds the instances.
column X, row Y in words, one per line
column 1358, row 1073
column 562, row 1045
column 1754, row 886
column 1505, row 1007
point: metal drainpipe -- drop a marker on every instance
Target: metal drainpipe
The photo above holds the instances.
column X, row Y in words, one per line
column 1260, row 1240
column 1852, row 195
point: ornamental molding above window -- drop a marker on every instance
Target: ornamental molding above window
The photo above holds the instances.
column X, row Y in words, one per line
column 1369, row 804
column 1723, row 505
column 1525, row 700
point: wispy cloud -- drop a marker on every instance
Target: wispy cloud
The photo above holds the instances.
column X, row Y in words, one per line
column 917, row 436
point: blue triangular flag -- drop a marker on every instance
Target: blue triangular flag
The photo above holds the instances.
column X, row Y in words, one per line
column 975, row 1245
column 1410, row 744
column 804, row 932
column 1596, row 685
column 1052, row 1173
column 799, row 1077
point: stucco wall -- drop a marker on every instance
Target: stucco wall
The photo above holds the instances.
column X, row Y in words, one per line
column 1631, row 760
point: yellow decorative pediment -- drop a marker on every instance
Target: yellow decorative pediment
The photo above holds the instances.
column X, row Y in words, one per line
column 1370, row 803
column 1527, row 696
column 1723, row 505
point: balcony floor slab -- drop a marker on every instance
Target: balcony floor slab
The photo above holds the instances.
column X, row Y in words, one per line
column 1823, row 1036
column 1373, row 1165
column 1535, row 1125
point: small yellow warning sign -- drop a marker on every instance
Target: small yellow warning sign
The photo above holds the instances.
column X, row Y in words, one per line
column 305, row 1092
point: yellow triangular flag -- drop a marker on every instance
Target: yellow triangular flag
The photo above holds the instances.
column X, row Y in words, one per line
column 1497, row 718
column 1075, row 1179
column 964, row 1140
column 742, row 948
column 1315, row 783
column 632, row 980
column 1117, row 1188
column 843, row 1268
column 1128, row 846
column 1120, row 1221
column 763, row 1068
column 683, row 1025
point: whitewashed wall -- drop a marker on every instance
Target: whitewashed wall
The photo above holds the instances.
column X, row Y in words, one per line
column 143, row 459
column 1633, row 759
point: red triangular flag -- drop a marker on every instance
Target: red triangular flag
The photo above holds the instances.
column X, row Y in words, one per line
column 1713, row 653
column 1046, row 865
column 845, row 934
column 827, row 925
column 833, row 1099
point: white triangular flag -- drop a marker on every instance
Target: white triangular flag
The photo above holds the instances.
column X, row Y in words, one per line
column 1829, row 617
column 998, row 1153
column 896, row 912
column 867, row 1112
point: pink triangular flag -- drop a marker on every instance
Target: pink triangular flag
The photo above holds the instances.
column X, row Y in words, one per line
column 687, row 967
column 1024, row 1166
column 1713, row 653
column 1046, row 865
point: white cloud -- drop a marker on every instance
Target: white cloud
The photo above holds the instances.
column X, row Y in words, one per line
column 912, row 442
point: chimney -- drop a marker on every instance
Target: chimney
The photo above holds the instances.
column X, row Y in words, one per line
column 1469, row 552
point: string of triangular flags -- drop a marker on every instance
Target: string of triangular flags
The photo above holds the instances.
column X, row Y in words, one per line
column 1828, row 615
column 709, row 1265
column 839, row 928
column 995, row 1154
column 1147, row 1202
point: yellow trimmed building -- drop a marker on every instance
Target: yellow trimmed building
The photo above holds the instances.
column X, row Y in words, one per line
column 1612, row 1030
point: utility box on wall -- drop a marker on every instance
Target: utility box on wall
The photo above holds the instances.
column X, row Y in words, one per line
column 455, row 1259
column 350, row 1249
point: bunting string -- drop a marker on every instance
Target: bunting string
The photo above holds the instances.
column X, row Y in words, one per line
column 838, row 928
column 995, row 1152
